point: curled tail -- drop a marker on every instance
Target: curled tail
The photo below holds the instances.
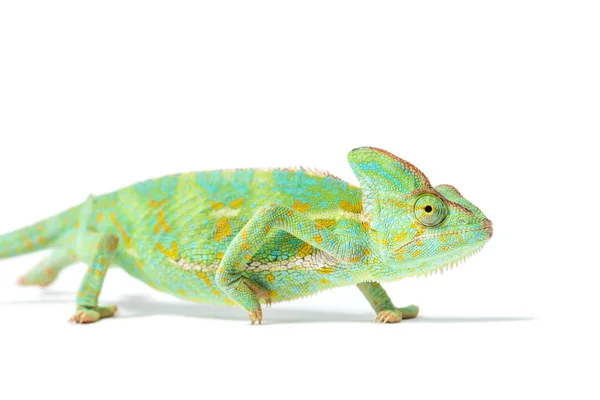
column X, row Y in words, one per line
column 39, row 236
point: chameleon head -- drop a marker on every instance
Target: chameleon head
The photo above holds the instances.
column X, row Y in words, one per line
column 415, row 228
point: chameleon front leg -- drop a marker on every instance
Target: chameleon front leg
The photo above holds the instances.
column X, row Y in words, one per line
column 231, row 276
column 383, row 306
column 98, row 249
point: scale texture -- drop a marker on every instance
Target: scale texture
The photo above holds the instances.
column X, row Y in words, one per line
column 249, row 237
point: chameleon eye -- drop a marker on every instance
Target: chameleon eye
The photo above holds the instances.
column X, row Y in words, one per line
column 430, row 210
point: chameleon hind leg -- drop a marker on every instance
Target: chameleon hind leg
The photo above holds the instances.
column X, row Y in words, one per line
column 98, row 250
column 46, row 271
column 383, row 306
column 231, row 276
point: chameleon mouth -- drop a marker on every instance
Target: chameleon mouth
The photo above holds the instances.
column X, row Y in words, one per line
column 489, row 229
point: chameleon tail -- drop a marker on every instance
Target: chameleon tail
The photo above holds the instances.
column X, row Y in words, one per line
column 39, row 236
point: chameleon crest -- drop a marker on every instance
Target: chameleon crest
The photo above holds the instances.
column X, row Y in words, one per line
column 251, row 236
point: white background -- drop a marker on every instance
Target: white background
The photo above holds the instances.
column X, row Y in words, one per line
column 500, row 100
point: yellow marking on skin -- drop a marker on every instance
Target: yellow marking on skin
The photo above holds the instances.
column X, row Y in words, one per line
column 365, row 226
column 385, row 242
column 205, row 278
column 29, row 243
column 237, row 203
column 103, row 262
column 216, row 205
column 222, row 229
column 67, row 221
column 126, row 237
column 81, row 294
column 300, row 206
column 245, row 233
column 366, row 252
column 318, row 238
column 419, row 242
column 420, row 231
column 220, row 255
column 99, row 217
column 232, row 303
column 172, row 253
column 416, row 253
column 414, row 225
column 325, row 270
column 98, row 272
column 267, row 229
column 40, row 240
column 216, row 292
column 350, row 207
column 161, row 223
column 224, row 280
column 272, row 293
column 157, row 204
column 355, row 259
column 248, row 257
column 182, row 292
column 445, row 248
column 89, row 269
column 399, row 237
column 304, row 250
column 76, row 224
column 269, row 277
column 325, row 223
column 400, row 254
column 289, row 213
column 245, row 246
column 442, row 238
column 325, row 281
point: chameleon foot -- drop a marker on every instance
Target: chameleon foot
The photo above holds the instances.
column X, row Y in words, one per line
column 87, row 315
column 397, row 314
column 256, row 315
column 35, row 278
column 260, row 293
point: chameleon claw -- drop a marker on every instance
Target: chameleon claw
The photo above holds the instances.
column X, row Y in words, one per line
column 388, row 317
column 255, row 315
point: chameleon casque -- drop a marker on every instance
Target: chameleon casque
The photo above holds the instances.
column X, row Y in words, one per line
column 251, row 236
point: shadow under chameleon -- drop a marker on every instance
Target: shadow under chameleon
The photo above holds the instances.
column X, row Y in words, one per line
column 137, row 306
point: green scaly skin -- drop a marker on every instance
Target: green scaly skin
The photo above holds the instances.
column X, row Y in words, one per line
column 246, row 237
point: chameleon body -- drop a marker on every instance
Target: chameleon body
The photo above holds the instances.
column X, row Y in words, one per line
column 249, row 236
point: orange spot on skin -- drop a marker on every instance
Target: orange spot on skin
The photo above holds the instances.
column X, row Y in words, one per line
column 76, row 224
column 222, row 229
column 40, row 240
column 385, row 242
column 98, row 272
column 300, row 206
column 99, row 217
column 304, row 250
column 161, row 223
column 245, row 233
column 237, row 203
column 324, row 281
column 445, row 248
column 399, row 237
column 182, row 292
column 126, row 238
column 355, row 259
column 325, row 270
column 365, row 226
column 205, row 278
column 216, row 205
column 248, row 257
column 267, row 229
column 325, row 223
column 245, row 246
column 416, row 253
column 366, row 252
column 269, row 277
column 272, row 293
column 350, row 207
column 157, row 204
column 318, row 238
column 231, row 303
column 216, row 292
column 220, row 255
column 289, row 213
column 419, row 242
column 172, row 253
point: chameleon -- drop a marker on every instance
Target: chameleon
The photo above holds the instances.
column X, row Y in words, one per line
column 253, row 237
